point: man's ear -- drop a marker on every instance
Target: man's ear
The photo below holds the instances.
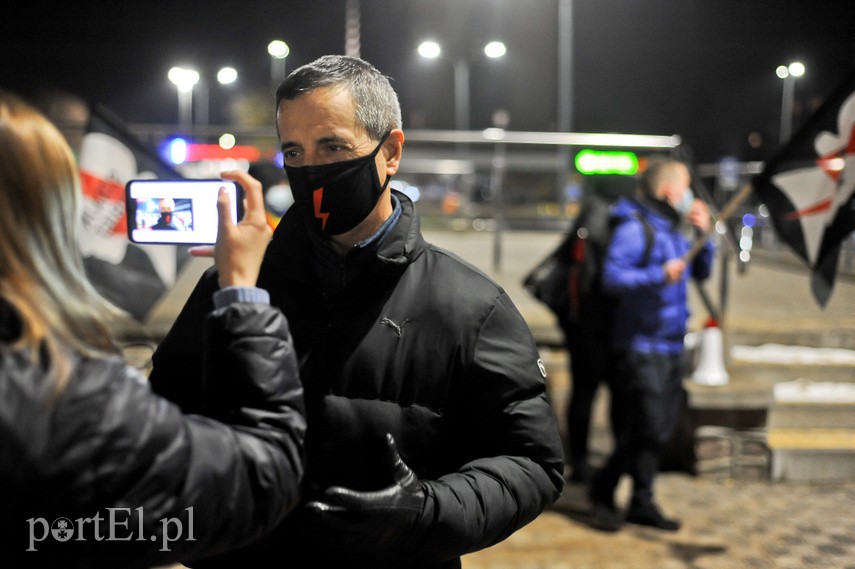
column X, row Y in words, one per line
column 393, row 147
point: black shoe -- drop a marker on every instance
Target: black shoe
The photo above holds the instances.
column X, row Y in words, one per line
column 604, row 517
column 651, row 516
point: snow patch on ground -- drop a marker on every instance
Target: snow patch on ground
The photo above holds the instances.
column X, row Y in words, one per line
column 790, row 355
column 802, row 390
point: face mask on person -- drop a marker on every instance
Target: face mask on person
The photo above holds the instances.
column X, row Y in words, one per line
column 166, row 217
column 685, row 205
column 335, row 198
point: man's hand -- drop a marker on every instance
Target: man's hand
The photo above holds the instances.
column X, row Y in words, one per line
column 674, row 270
column 699, row 216
column 379, row 520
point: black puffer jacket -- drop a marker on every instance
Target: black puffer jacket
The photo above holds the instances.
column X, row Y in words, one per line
column 403, row 338
column 125, row 475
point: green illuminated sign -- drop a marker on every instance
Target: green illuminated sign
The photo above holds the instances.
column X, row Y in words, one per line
column 590, row 162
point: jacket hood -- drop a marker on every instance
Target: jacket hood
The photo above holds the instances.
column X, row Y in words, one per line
column 657, row 212
column 405, row 239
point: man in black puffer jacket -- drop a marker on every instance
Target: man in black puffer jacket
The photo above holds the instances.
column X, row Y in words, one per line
column 429, row 431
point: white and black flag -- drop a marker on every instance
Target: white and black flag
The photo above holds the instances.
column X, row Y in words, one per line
column 809, row 187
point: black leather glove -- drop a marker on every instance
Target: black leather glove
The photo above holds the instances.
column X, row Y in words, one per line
column 379, row 521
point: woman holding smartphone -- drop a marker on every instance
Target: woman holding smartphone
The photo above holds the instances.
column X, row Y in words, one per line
column 95, row 469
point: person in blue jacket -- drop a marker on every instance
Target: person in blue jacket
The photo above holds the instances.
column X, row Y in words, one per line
column 649, row 329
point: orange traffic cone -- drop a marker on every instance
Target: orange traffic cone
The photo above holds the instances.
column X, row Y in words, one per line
column 710, row 369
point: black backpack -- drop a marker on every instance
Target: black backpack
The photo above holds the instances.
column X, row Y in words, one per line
column 568, row 281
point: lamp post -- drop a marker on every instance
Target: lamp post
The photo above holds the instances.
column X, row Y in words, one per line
column 432, row 50
column 184, row 80
column 225, row 76
column 278, row 51
column 788, row 73
column 461, row 94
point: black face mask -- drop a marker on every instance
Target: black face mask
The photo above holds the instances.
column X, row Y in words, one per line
column 335, row 198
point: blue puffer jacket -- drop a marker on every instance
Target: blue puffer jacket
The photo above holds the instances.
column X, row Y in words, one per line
column 651, row 315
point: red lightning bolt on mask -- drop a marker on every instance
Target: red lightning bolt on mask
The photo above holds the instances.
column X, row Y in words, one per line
column 318, row 196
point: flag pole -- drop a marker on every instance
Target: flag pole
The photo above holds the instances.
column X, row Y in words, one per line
column 701, row 242
column 725, row 212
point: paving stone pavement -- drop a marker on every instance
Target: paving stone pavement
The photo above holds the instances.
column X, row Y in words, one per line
column 727, row 524
column 733, row 517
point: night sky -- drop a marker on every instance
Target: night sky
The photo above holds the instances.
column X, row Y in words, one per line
column 703, row 69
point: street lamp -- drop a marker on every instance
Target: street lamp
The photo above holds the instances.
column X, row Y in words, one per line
column 788, row 73
column 225, row 76
column 495, row 50
column 429, row 49
column 432, row 50
column 184, row 80
column 278, row 51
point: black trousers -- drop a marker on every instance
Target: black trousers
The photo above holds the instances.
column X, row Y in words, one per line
column 646, row 402
column 591, row 364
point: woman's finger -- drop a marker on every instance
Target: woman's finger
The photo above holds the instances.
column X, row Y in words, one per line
column 224, row 209
column 254, row 196
column 201, row 251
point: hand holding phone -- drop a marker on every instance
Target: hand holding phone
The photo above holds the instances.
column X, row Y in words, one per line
column 240, row 246
column 176, row 211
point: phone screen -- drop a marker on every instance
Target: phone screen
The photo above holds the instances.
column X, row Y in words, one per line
column 175, row 211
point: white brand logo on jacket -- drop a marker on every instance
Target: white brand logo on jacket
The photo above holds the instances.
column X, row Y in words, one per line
column 398, row 328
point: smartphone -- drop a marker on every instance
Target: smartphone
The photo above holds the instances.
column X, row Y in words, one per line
column 176, row 212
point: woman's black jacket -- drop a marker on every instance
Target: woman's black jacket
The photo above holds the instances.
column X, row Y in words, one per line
column 102, row 472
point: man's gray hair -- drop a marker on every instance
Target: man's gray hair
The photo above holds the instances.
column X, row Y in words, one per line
column 377, row 108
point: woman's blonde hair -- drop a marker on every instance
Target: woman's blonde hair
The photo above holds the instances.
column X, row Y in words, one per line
column 41, row 271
